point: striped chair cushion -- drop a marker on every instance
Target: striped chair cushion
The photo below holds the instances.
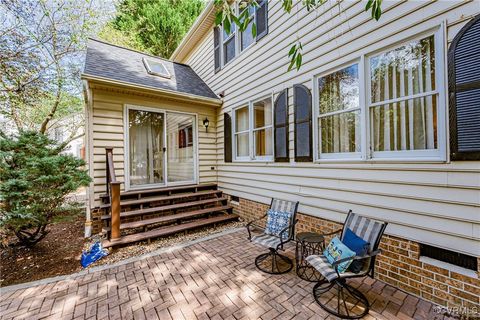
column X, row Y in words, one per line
column 284, row 206
column 267, row 240
column 321, row 264
column 367, row 229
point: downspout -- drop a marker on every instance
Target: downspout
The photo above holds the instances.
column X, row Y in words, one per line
column 87, row 95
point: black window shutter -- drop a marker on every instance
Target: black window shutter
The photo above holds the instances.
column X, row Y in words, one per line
column 464, row 92
column 261, row 16
column 302, row 102
column 216, row 48
column 280, row 121
column 227, row 137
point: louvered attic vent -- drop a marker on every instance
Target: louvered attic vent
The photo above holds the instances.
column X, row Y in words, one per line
column 156, row 68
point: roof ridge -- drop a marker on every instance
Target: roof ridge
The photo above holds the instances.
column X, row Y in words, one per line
column 137, row 51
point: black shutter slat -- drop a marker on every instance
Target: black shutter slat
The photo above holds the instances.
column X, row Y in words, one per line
column 468, row 121
column 464, row 92
column 281, row 127
column 227, row 137
column 302, row 101
column 216, row 48
column 261, row 16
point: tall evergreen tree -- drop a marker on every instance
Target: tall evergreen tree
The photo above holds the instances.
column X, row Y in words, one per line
column 156, row 27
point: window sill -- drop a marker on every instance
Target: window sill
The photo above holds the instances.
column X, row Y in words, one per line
column 433, row 160
column 449, row 267
column 254, row 161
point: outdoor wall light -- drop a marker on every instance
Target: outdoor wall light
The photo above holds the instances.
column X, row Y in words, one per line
column 206, row 123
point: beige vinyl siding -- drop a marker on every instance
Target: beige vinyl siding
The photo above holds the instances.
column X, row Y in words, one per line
column 434, row 203
column 108, row 131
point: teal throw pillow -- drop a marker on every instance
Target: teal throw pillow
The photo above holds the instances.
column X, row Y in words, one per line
column 335, row 251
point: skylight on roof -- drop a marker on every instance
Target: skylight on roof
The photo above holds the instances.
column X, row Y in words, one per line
column 156, row 68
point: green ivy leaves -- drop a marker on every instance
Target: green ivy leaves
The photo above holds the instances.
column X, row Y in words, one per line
column 295, row 55
column 227, row 17
column 376, row 7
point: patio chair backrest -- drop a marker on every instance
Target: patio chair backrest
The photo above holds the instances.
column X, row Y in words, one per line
column 368, row 229
column 286, row 206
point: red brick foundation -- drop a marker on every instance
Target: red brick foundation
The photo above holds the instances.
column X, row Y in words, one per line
column 96, row 220
column 398, row 265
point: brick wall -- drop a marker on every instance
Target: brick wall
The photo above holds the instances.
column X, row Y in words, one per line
column 96, row 220
column 398, row 265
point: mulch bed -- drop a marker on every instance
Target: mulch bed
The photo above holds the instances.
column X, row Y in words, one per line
column 57, row 254
column 60, row 251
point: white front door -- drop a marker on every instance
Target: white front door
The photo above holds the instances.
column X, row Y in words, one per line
column 161, row 148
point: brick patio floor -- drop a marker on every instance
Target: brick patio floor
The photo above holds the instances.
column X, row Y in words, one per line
column 212, row 279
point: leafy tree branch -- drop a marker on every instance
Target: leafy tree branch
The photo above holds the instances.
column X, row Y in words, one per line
column 226, row 17
column 41, row 57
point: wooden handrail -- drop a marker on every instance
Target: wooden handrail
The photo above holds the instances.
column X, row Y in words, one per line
column 113, row 191
column 111, row 177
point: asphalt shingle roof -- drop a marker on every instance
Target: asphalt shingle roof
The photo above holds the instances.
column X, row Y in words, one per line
column 116, row 63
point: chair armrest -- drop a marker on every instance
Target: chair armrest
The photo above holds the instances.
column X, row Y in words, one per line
column 369, row 255
column 290, row 237
column 332, row 233
column 251, row 224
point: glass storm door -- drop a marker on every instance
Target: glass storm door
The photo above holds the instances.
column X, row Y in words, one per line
column 181, row 148
column 146, row 131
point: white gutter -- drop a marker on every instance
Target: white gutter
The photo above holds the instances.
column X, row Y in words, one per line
column 166, row 92
column 200, row 20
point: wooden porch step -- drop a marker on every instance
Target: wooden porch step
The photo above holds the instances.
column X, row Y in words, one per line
column 164, row 198
column 169, row 218
column 169, row 230
column 139, row 212
column 186, row 188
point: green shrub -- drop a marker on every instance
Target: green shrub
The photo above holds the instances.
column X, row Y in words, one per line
column 35, row 180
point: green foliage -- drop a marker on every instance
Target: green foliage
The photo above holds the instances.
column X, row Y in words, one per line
column 376, row 7
column 295, row 55
column 226, row 15
column 35, row 181
column 154, row 26
column 126, row 38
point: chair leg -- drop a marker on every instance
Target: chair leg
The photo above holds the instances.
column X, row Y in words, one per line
column 273, row 262
column 350, row 304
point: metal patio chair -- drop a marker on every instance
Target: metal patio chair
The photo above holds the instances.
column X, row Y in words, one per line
column 351, row 303
column 273, row 262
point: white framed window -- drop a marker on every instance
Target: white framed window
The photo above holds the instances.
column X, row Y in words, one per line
column 338, row 114
column 246, row 37
column 403, row 99
column 388, row 105
column 242, row 133
column 229, row 44
column 263, row 129
column 253, row 130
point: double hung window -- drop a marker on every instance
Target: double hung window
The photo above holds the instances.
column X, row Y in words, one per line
column 386, row 105
column 253, row 130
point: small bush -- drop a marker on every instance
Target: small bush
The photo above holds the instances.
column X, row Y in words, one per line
column 35, row 179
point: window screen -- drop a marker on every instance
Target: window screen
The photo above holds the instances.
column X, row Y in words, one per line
column 261, row 16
